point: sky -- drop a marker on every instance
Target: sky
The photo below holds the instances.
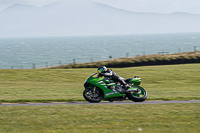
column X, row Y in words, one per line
column 84, row 17
column 152, row 6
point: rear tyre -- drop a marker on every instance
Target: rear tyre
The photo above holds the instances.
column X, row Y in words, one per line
column 93, row 95
column 139, row 96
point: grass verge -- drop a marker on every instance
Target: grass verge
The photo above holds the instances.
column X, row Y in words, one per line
column 167, row 82
column 157, row 118
column 145, row 60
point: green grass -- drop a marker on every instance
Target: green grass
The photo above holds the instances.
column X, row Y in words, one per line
column 169, row 82
column 151, row 118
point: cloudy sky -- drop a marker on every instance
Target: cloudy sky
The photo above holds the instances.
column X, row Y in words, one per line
column 155, row 6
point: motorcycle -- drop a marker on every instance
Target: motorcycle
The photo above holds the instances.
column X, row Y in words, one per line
column 98, row 89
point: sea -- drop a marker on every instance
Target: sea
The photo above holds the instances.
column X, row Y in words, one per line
column 40, row 52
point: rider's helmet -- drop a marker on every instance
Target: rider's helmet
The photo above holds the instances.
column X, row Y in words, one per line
column 101, row 69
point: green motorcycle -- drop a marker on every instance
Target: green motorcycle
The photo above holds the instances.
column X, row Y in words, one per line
column 97, row 89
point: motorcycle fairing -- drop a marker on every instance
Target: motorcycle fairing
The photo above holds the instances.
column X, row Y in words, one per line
column 99, row 82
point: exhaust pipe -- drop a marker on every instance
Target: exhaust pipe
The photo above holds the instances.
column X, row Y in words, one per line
column 138, row 91
column 135, row 90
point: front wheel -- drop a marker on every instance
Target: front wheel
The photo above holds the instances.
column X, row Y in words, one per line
column 93, row 95
column 139, row 96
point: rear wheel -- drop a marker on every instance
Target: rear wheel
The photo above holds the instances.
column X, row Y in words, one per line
column 139, row 96
column 93, row 94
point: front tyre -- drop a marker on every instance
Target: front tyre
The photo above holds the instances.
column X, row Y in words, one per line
column 93, row 95
column 139, row 96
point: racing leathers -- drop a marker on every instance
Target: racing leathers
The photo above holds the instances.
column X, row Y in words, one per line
column 112, row 75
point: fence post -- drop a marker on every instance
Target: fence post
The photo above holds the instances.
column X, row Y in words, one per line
column 127, row 55
column 195, row 48
column 34, row 66
column 74, row 61
column 59, row 63
column 143, row 53
column 179, row 50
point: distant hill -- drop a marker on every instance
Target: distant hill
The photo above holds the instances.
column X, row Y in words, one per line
column 86, row 17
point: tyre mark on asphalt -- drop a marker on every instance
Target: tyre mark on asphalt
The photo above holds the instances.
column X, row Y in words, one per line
column 101, row 103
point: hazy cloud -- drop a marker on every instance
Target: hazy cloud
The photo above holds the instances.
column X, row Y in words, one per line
column 156, row 6
column 28, row 2
column 153, row 6
column 7, row 3
column 85, row 17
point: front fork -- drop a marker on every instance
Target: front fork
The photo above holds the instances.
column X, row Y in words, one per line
column 93, row 89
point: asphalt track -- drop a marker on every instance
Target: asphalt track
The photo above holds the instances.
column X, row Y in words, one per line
column 101, row 103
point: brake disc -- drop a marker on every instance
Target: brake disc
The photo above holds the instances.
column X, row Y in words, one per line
column 93, row 94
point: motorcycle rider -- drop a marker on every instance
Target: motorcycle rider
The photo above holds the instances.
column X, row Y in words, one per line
column 103, row 71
